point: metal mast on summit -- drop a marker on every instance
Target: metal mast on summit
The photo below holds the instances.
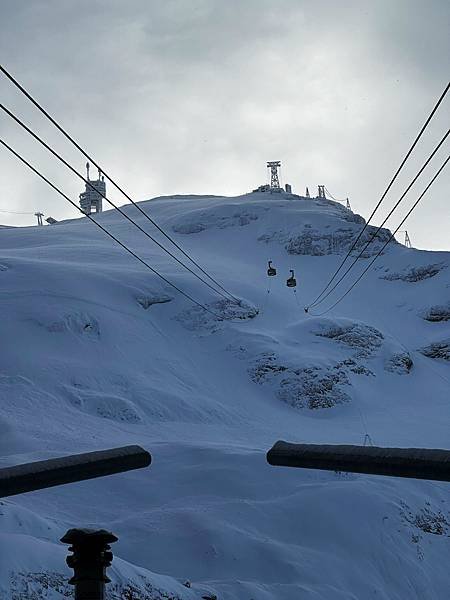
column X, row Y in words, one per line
column 39, row 216
column 274, row 179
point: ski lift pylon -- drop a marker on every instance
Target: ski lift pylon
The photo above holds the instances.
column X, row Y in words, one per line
column 291, row 281
column 271, row 271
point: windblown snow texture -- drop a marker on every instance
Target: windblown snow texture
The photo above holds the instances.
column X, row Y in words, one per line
column 98, row 352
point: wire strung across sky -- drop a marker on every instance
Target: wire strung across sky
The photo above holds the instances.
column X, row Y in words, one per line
column 127, row 196
column 15, row 212
column 375, row 234
column 408, row 154
column 332, row 197
column 361, row 275
column 87, row 182
column 141, row 260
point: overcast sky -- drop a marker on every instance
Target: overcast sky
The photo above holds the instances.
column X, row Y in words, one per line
column 194, row 96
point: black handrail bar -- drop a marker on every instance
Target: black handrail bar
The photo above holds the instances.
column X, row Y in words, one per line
column 415, row 463
column 34, row 476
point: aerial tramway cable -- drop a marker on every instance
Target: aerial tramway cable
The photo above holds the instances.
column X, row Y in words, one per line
column 374, row 235
column 141, row 260
column 69, row 166
column 408, row 154
column 436, row 175
column 127, row 196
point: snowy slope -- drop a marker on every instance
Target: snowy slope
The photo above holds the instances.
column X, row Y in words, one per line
column 97, row 352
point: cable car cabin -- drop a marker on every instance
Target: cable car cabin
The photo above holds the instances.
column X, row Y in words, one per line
column 291, row 282
column 271, row 271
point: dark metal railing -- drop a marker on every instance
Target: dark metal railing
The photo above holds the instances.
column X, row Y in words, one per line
column 34, row 476
column 415, row 463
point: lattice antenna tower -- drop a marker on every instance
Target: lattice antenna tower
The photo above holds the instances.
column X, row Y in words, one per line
column 274, row 165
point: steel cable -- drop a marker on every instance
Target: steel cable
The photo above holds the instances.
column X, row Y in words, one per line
column 141, row 260
column 408, row 154
column 87, row 182
column 436, row 175
column 86, row 155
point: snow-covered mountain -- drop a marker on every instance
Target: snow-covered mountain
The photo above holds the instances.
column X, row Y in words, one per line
column 97, row 352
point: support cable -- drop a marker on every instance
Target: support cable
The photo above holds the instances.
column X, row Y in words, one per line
column 332, row 197
column 87, row 182
column 387, row 242
column 39, row 174
column 408, row 154
column 109, row 178
column 15, row 212
column 374, row 235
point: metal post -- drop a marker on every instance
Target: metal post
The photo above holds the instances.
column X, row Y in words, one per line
column 91, row 556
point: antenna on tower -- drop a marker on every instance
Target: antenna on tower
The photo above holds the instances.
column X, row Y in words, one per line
column 347, row 204
column 274, row 179
column 87, row 171
column 99, row 174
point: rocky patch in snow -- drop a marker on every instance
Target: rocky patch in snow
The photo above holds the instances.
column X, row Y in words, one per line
column 319, row 243
column 438, row 350
column 364, row 339
column 311, row 241
column 400, row 363
column 308, row 387
column 427, row 519
column 416, row 274
column 50, row 585
column 437, row 313
column 151, row 299
column 220, row 218
column 220, row 312
column 354, row 367
column 314, row 388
